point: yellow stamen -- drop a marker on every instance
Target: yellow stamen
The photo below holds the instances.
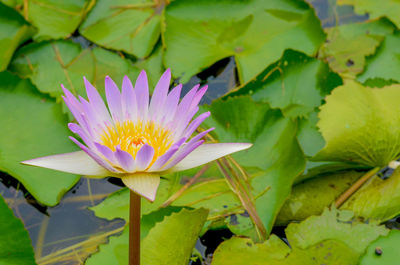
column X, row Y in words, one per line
column 132, row 136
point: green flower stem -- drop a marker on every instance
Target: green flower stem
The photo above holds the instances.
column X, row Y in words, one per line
column 134, row 229
column 353, row 188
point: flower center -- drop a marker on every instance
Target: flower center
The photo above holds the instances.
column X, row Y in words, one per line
column 132, row 136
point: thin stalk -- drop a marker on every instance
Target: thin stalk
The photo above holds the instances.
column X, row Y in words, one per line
column 353, row 188
column 134, row 229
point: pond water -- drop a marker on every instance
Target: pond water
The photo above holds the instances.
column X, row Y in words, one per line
column 69, row 232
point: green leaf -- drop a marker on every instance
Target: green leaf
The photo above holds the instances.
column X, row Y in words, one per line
column 378, row 199
column 313, row 195
column 348, row 45
column 385, row 63
column 389, row 247
column 55, row 19
column 15, row 244
column 296, row 84
column 14, row 31
column 337, row 225
column 376, row 9
column 196, row 38
column 169, row 242
column 327, row 239
column 276, row 157
column 131, row 26
column 68, row 63
column 116, row 205
column 310, row 139
column 32, row 126
column 361, row 125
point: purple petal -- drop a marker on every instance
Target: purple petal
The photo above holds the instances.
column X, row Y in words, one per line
column 162, row 160
column 96, row 101
column 160, row 93
column 125, row 159
column 113, row 96
column 106, row 152
column 144, row 157
column 142, row 95
column 93, row 155
column 129, row 105
column 182, row 154
column 196, row 123
column 199, row 95
column 171, row 103
column 75, row 128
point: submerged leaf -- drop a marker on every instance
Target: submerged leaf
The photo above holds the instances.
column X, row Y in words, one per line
column 15, row 244
column 378, row 199
column 196, row 38
column 361, row 125
column 312, row 196
column 32, row 126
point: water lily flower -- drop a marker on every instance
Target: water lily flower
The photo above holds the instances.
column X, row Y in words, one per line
column 136, row 139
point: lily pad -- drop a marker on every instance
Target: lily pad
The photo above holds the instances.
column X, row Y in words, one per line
column 131, row 26
column 385, row 250
column 169, row 242
column 296, row 84
column 376, row 9
column 56, row 19
column 15, row 244
column 378, row 199
column 385, row 63
column 14, row 31
column 68, row 63
column 361, row 125
column 32, row 126
column 318, row 240
column 348, row 45
column 313, row 195
column 276, row 158
column 196, row 38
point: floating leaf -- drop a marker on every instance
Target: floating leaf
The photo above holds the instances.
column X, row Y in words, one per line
column 314, row 195
column 296, row 84
column 378, row 199
column 196, row 38
column 131, row 26
column 385, row 250
column 348, row 45
column 55, row 19
column 169, row 242
column 276, row 151
column 334, row 225
column 116, row 205
column 310, row 139
column 361, row 124
column 15, row 244
column 318, row 240
column 385, row 63
column 68, row 63
column 14, row 31
column 32, row 126
column 376, row 9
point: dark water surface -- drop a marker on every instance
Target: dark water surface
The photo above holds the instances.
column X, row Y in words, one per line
column 69, row 232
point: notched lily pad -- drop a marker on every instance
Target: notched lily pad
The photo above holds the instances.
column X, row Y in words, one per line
column 361, row 125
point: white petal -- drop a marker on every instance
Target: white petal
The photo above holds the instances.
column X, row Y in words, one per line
column 76, row 163
column 206, row 153
column 144, row 184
